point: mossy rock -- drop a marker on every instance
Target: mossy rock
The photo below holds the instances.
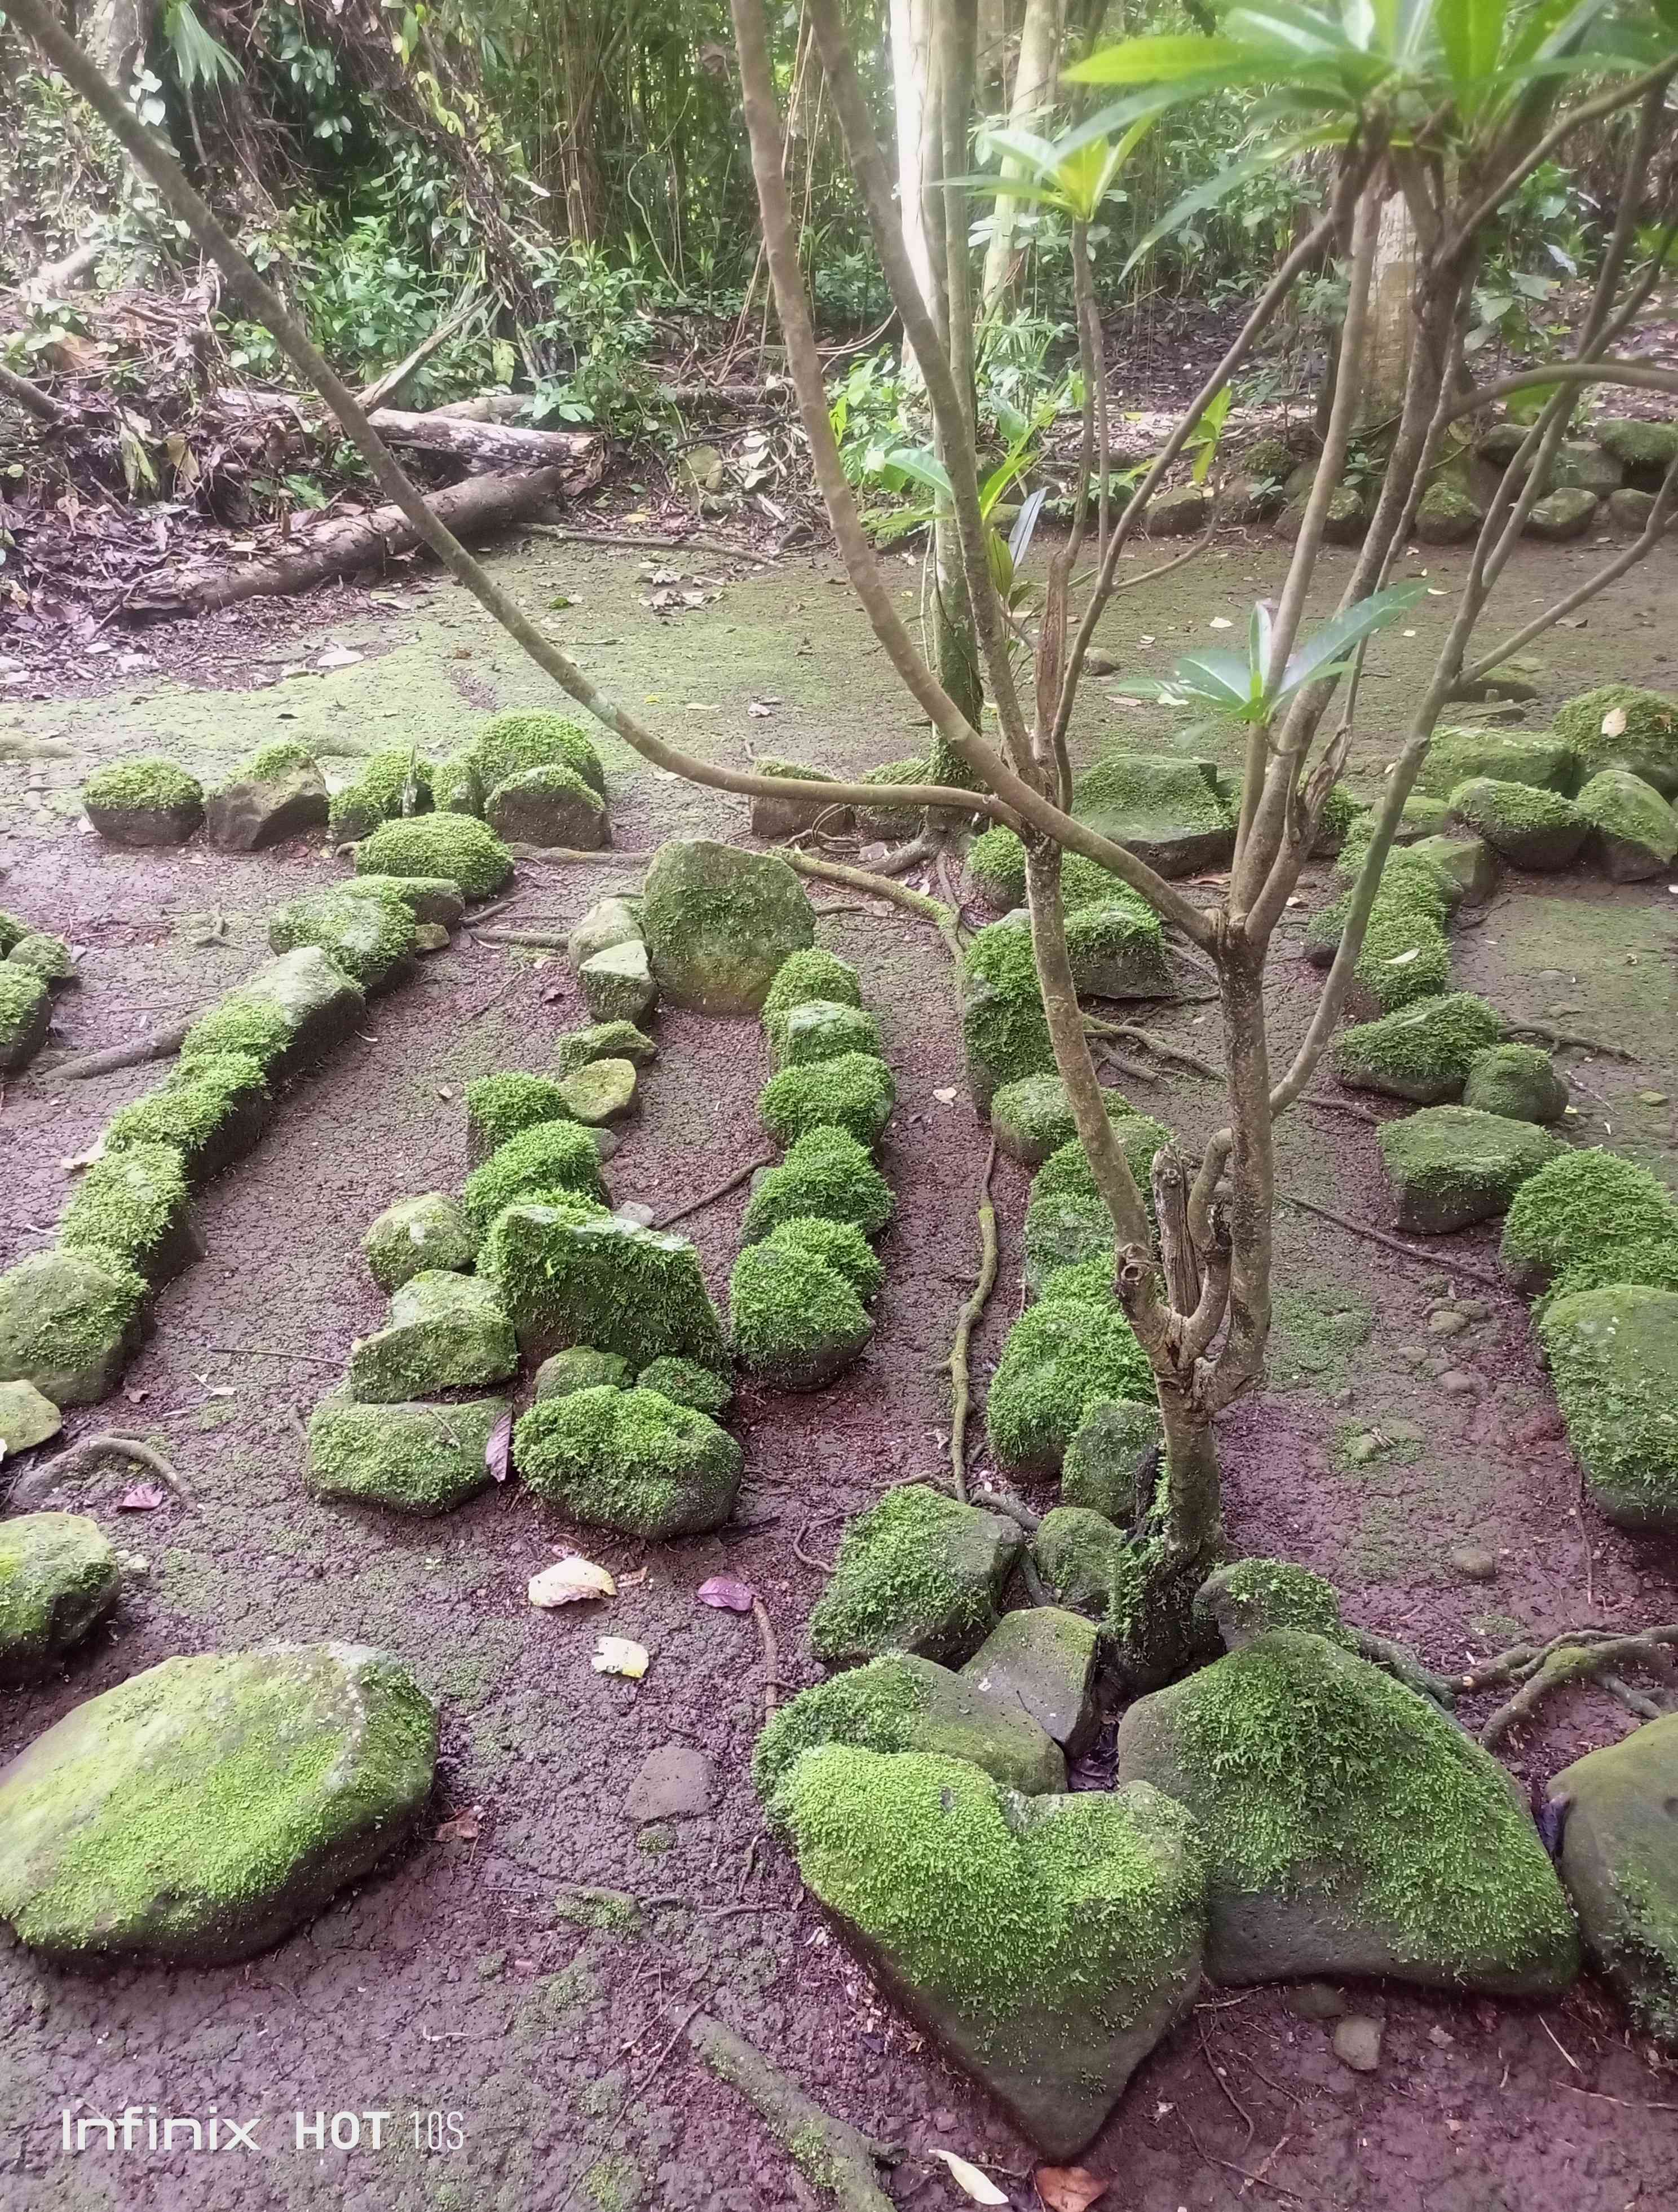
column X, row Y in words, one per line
column 279, row 793
column 1530, row 828
column 774, row 815
column 618, row 989
column 372, row 940
column 1651, row 1260
column 548, row 806
column 1618, row 725
column 394, row 784
column 1004, row 1031
column 1584, row 464
column 1446, row 515
column 1178, row 513
column 604, row 1282
column 1634, row 832
column 40, row 954
column 1406, row 955
column 1033, row 1117
column 580, row 1367
column 26, row 1015
column 419, row 1236
column 548, row 1156
column 1046, row 1944
column 129, row 1212
column 202, row 1809
column 719, row 922
column 608, row 922
column 916, row 1572
column 1456, row 756
column 1088, row 1564
column 1169, row 812
column 446, row 1331
column 1350, row 1827
column 823, row 1030
column 996, row 876
column 26, row 1418
column 504, row 1105
column 886, row 820
column 1518, row 679
column 526, row 738
column 1584, row 1203
column 900, row 1702
column 629, row 1459
column 58, row 1579
column 840, row 1245
column 1066, row 1221
column 456, row 846
column 12, row 932
column 683, row 1382
column 1250, row 1597
column 414, row 1459
column 211, row 1112
column 293, row 1011
column 826, row 1174
column 1562, row 515
column 1620, row 1869
column 1423, row 816
column 601, row 1092
column 603, row 1041
column 1061, row 1358
column 856, row 1091
column 1422, row 1053
column 145, row 802
column 1468, row 866
column 794, row 1322
column 69, row 1323
column 1118, row 949
column 428, row 898
column 1613, row 1357
column 1450, row 1166
column 1518, row 1080
column 1645, row 450
column 813, row 976
column 1117, row 1439
column 1043, row 1661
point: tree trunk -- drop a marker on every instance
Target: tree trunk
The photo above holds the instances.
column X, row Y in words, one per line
column 1033, row 95
column 117, row 35
column 1386, row 363
column 915, row 100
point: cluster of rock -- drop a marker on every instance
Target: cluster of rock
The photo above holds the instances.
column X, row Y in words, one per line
column 280, row 791
column 33, row 965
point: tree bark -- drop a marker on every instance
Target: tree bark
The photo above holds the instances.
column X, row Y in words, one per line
column 117, row 35
column 1033, row 95
column 916, row 108
column 504, row 444
column 1386, row 365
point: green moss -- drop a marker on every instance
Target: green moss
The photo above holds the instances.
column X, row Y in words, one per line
column 603, row 1041
column 1252, row 1596
column 885, row 820
column 917, row 1570
column 854, row 1091
column 1577, row 1206
column 1646, row 740
column 422, row 1460
column 604, row 1281
column 580, row 1367
column 996, row 864
column 457, row 787
column 1405, row 872
column 23, row 1001
column 606, row 1911
column 685, row 1383
column 457, row 846
column 510, row 743
column 1061, row 1358
column 366, row 936
column 1405, row 955
column 1651, row 1261
column 629, row 1459
column 1613, row 1354
column 801, row 980
column 1490, row 806
column 1519, row 1080
column 239, row 1028
column 794, row 1322
column 1456, row 756
column 821, row 1029
column 1317, row 1340
column 1003, row 1027
column 1032, row 1118
column 12, row 932
column 192, row 1110
column 582, row 805
column 393, row 782
column 446, row 1331
column 1454, row 1165
column 840, row 1245
column 275, row 763
column 614, row 2184
column 129, row 1211
column 1422, row 1051
column 67, row 1323
column 549, row 1155
column 825, row 1173
column 58, row 1577
column 153, row 784
column 501, row 1106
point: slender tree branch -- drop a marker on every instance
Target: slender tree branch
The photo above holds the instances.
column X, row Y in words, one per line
column 1590, row 111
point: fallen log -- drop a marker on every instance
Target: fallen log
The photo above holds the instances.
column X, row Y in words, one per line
column 507, row 445
column 340, row 545
column 30, row 397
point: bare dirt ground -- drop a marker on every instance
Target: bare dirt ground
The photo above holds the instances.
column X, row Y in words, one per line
column 450, row 1985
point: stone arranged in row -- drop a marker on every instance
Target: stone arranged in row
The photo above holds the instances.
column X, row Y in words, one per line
column 33, row 963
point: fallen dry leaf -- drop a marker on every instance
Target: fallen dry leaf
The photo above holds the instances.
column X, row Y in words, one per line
column 635, row 1575
column 569, row 1579
column 946, row 1097
column 1613, row 722
column 968, row 2179
column 617, row 1654
column 463, row 1828
column 140, row 1498
column 728, row 1596
column 496, row 1451
column 1069, row 2188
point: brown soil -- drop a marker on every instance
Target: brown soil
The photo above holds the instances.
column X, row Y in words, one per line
column 450, row 1984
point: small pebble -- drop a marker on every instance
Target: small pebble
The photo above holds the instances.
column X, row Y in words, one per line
column 431, row 937
column 1651, row 1097
column 1446, row 1323
column 1357, row 2042
column 1474, row 1564
column 1456, row 1383
column 1440, row 2038
column 1315, row 2001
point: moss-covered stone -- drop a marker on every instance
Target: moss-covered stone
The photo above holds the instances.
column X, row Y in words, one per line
column 1090, row 1565
column 419, row 1460
column 395, row 783
column 1613, row 1356
column 822, row 1029
column 1531, row 828
column 629, row 1459
column 618, row 989
column 774, row 816
column 1468, row 866
column 129, row 1213
column 1619, row 725
column 550, row 806
column 1447, row 515
column 428, row 898
column 886, row 820
column 41, row 954
column 1581, row 1204
column 1032, row 1118
column 812, row 977
column 12, row 932
column 599, row 1092
column 840, row 1245
column 1456, row 757
column 1042, row 1662
column 526, row 738
column 1450, row 1166
column 1621, row 1871
column 279, row 793
column 372, row 940
column 1650, row 1261
column 1634, row 832
column 900, row 1702
column 26, row 1418
column 502, row 1106
column 1645, row 450
column 795, row 1323
column 1067, row 1220
column 201, row 1809
column 1117, row 949
column 25, row 1014
column 143, row 802
column 604, row 1282
column 825, row 1173
column 1004, row 1031
column 419, row 1236
column 1518, row 1080
column 58, row 1579
column 1422, row 1053
column 1168, row 812
column 211, row 1111
column 916, row 1572
column 1350, row 1827
column 1061, row 1358
column 291, row 1011
column 997, row 875
column 1562, row 515
column 456, row 846
column 608, row 922
column 446, row 1331
column 1116, row 1440
column 457, row 787
column 580, row 1367
column 547, row 1156
column 719, row 923
column 684, row 1382
column 69, row 1323
column 1248, row 1598
column 855, row 1091
column 1405, row 955
column 1046, row 1942
column 603, row 1041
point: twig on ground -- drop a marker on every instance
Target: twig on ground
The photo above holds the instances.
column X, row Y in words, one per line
column 543, row 940
column 771, row 1658
column 158, row 1046
column 1553, row 1035
column 499, row 905
column 1220, row 2077
column 1004, row 1502
column 862, row 879
column 1121, row 1065
column 1438, row 1263
column 810, row 1559
column 717, row 1190
column 966, row 1320
column 267, row 1352
column 41, row 405
column 1393, row 1658
column 1341, row 1106
column 831, row 2155
column 86, row 1454
column 529, row 855
column 1133, row 1033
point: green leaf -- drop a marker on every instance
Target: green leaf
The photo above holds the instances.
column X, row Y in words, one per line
column 1314, row 658
column 920, row 467
column 1159, row 61
column 1220, row 678
column 1471, row 33
column 1218, row 187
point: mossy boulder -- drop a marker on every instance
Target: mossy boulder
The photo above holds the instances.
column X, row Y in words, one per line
column 1620, row 1870
column 1618, row 725
column 1090, row 1565
column 26, row 1418
column 419, row 1236
column 1350, row 1827
column 1046, row 1944
column 1117, row 949
column 1117, row 1439
column 916, row 1572
column 1043, row 1661
column 1066, row 1221
column 1613, row 1357
column 279, row 794
column 526, row 737
column 1033, row 1117
column 1530, row 827
column 615, row 1040
column 856, row 1091
column 211, row 1112
column 996, row 876
column 684, row 1382
column 69, row 1323
column 202, row 1809
column 1406, row 955
column 58, row 1579
column 395, row 783
column 601, row 1092
column 886, row 820
column 812, row 977
column 1458, row 756
column 12, row 932
column 823, row 1030
column 293, row 1011
column 414, row 1459
column 1583, row 1203
column 26, row 1015
column 795, row 1323
column 550, row 1156
column 580, row 1367
column 1584, row 464
column 826, row 1174
column 1650, row 1261
column 1645, row 450
column 42, row 954
column 1167, row 811
column 1422, row 1053
column 1004, row 1031
column 719, row 922
column 617, row 984
column 775, row 814
column 504, row 1105
column 1468, row 866
column 608, row 922
column 840, row 1245
column 1450, row 1166
column 428, row 898
column 1177, row 514
column 1063, row 1358
column 1250, row 1597
column 129, row 1213
column 629, row 1459
column 1562, row 515
column 550, row 806
column 901, row 1703
column 1518, row 1080
column 1634, row 832
column 372, row 940
column 446, row 1331
column 456, row 846
column 143, row 802
column 1446, row 515
column 605, row 1282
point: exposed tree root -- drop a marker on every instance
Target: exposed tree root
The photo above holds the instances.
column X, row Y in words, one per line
column 1174, row 1055
column 862, row 879
column 541, row 940
column 1582, row 1654
column 966, row 1320
column 87, row 1454
column 625, row 542
column 1403, row 1666
column 830, row 2153
column 772, row 1685
column 604, row 858
column 1439, row 1262
column 1341, row 1106
column 1551, row 1035
column 717, row 1190
column 159, row 1045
